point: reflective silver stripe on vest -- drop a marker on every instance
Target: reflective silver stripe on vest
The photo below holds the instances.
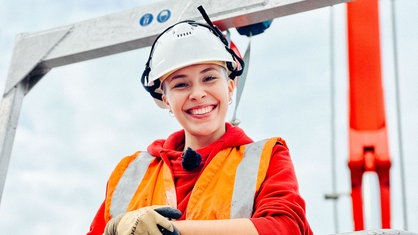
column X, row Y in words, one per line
column 246, row 181
column 129, row 182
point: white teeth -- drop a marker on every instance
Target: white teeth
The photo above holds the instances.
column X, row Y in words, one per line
column 201, row 110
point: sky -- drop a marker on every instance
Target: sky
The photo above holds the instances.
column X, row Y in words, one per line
column 81, row 119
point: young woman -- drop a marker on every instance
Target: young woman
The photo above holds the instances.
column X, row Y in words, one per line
column 210, row 177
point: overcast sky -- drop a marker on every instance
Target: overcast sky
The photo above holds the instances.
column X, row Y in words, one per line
column 81, row 119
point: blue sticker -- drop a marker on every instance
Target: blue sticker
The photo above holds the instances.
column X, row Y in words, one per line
column 163, row 16
column 146, row 19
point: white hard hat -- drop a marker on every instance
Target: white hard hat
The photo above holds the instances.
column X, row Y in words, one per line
column 181, row 45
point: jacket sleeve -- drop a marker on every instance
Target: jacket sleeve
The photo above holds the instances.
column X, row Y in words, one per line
column 278, row 207
column 98, row 224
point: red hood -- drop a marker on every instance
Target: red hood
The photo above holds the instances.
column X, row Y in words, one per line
column 172, row 148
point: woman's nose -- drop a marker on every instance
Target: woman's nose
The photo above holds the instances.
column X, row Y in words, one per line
column 197, row 92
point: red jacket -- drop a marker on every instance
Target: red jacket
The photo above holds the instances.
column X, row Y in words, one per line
column 278, row 207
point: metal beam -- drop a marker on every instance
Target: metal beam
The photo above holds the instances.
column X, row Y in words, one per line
column 123, row 31
column 36, row 53
column 9, row 116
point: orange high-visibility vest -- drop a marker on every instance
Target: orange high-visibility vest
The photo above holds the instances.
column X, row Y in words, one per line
column 225, row 189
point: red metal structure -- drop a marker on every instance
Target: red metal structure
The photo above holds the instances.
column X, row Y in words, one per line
column 368, row 141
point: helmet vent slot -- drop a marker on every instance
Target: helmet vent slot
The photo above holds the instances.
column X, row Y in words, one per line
column 180, row 35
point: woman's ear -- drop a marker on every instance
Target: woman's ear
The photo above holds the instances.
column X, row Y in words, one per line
column 231, row 86
column 164, row 98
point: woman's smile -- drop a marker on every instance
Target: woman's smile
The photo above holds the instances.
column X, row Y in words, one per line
column 199, row 111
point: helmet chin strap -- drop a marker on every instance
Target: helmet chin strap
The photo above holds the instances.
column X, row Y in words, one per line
column 209, row 22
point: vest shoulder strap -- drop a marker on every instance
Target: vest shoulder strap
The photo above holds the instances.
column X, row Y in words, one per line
column 250, row 174
column 128, row 183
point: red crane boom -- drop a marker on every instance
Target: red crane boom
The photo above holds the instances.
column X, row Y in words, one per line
column 368, row 141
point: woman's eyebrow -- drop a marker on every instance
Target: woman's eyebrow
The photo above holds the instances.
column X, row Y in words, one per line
column 208, row 69
column 177, row 77
column 205, row 70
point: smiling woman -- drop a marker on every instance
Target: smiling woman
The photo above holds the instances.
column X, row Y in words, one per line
column 80, row 119
column 210, row 176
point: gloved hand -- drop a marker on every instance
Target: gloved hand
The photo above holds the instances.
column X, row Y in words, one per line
column 144, row 221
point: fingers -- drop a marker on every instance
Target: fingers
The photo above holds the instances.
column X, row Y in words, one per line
column 168, row 212
column 111, row 226
column 147, row 220
column 142, row 222
column 163, row 222
column 129, row 223
column 168, row 232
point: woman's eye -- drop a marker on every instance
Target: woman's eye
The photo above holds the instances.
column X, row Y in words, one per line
column 209, row 78
column 180, row 85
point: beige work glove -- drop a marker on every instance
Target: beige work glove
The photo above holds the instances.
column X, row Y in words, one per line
column 147, row 220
